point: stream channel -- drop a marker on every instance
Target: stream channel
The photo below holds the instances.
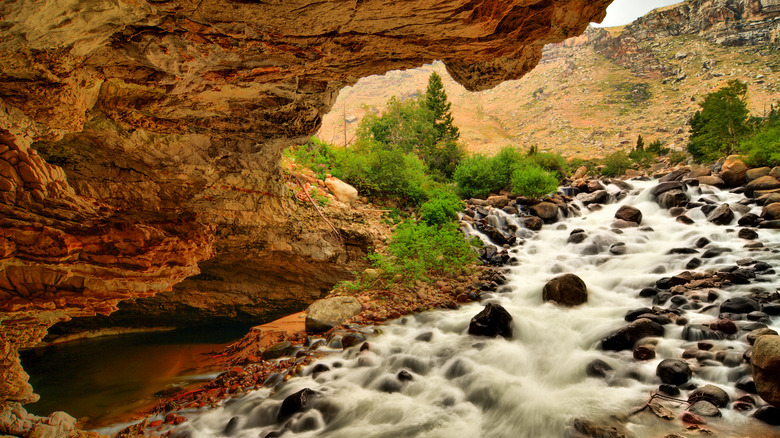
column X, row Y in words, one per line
column 424, row 376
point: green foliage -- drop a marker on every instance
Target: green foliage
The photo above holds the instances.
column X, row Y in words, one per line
column 721, row 124
column 551, row 162
column 616, row 164
column 677, row 157
column 442, row 207
column 417, row 250
column 642, row 157
column 532, row 181
column 657, row 148
column 640, row 143
column 315, row 154
column 763, row 148
column 475, row 177
column 384, row 174
column 634, row 92
column 407, row 125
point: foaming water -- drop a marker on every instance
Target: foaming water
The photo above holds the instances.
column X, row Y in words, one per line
column 535, row 384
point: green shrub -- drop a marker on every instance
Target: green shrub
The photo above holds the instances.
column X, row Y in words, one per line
column 417, row 250
column 531, row 181
column 677, row 157
column 616, row 164
column 476, row 178
column 314, row 154
column 504, row 164
column 641, row 157
column 551, row 162
column 384, row 174
column 656, row 147
column 442, row 207
column 763, row 148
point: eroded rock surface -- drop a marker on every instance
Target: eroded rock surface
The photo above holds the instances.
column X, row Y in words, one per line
column 142, row 139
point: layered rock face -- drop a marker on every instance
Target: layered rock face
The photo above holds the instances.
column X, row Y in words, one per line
column 140, row 139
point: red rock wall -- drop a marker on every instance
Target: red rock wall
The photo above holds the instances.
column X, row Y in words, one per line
column 166, row 121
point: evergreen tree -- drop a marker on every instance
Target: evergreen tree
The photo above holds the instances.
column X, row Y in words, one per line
column 640, row 143
column 437, row 102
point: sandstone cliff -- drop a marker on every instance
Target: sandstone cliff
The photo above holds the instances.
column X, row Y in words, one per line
column 162, row 124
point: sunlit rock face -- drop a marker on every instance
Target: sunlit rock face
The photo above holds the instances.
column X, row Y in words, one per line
column 141, row 139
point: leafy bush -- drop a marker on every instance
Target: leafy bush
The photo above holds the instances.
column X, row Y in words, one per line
column 763, row 148
column 551, row 162
column 476, row 178
column 315, row 154
column 677, row 157
column 417, row 250
column 442, row 207
column 504, row 164
column 531, row 181
column 383, row 174
column 642, row 158
column 656, row 147
column 616, row 164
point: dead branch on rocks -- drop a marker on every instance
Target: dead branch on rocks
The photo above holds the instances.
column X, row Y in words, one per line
column 338, row 235
column 649, row 404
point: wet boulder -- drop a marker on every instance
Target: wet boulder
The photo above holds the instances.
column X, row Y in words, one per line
column 734, row 171
column 771, row 212
column 597, row 368
column 711, row 181
column 761, row 184
column 721, row 215
column 547, row 211
column 533, row 223
column 665, row 187
column 673, row 371
column 322, row 315
column 597, row 197
column 711, row 393
column 492, row 321
column 765, row 366
column 629, row 214
column 768, row 415
column 566, row 290
column 672, row 198
column 756, row 173
column 739, row 305
column 625, row 337
column 704, row 408
column 299, row 402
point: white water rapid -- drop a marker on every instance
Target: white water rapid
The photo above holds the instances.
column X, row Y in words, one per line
column 535, row 384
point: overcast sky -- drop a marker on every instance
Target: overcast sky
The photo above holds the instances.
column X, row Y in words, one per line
column 622, row 12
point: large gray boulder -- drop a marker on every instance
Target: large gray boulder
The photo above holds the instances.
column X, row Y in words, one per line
column 765, row 364
column 322, row 315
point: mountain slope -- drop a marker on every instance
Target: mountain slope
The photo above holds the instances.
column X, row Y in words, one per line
column 594, row 94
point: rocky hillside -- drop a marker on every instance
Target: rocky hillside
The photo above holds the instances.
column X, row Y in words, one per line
column 593, row 94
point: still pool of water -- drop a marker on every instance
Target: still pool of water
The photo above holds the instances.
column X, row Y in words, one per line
column 102, row 380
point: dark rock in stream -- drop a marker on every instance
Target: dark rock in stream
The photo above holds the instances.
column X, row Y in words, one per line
column 625, row 337
column 768, row 415
column 673, row 371
column 711, row 393
column 705, row 409
column 699, row 333
column 747, row 234
column 721, row 215
column 232, row 426
column 566, row 290
column 629, row 214
column 492, row 321
column 298, row 402
column 739, row 305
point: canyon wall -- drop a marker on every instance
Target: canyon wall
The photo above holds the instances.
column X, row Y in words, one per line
column 140, row 141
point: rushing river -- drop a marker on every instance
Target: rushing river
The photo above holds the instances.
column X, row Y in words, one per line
column 535, row 384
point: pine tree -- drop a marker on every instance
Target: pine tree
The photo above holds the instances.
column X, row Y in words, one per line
column 436, row 101
column 640, row 143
